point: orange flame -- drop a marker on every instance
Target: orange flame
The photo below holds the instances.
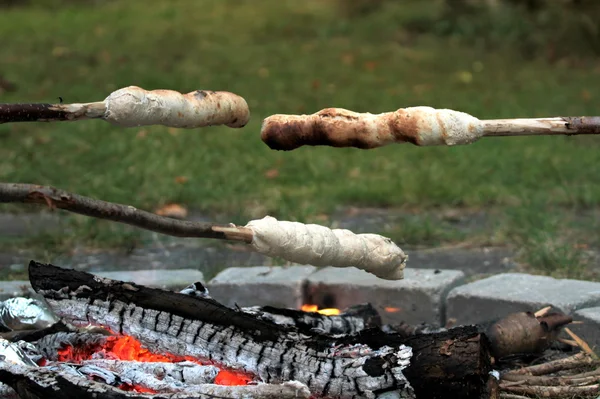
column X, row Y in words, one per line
column 315, row 308
column 125, row 347
column 390, row 309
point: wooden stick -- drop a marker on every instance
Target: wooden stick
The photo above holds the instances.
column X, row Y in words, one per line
column 553, row 391
column 422, row 126
column 134, row 106
column 541, row 126
column 568, row 363
column 56, row 198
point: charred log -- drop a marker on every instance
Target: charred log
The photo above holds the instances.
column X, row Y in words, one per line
column 67, row 383
column 446, row 364
column 203, row 328
column 34, row 335
column 351, row 321
column 452, row 364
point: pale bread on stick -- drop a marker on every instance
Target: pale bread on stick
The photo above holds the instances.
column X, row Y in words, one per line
column 134, row 106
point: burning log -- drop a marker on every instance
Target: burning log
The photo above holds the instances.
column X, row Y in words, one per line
column 201, row 328
column 351, row 321
column 422, row 126
column 134, row 106
column 295, row 242
column 67, row 383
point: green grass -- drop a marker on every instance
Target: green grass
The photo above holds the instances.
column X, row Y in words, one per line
column 288, row 56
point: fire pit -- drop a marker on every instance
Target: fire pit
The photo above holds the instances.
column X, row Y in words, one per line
column 121, row 340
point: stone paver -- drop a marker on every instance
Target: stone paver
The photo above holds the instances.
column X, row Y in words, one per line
column 497, row 296
column 281, row 286
column 589, row 331
column 418, row 298
column 174, row 280
column 9, row 289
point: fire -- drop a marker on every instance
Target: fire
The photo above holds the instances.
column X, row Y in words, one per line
column 315, row 308
column 390, row 309
column 125, row 347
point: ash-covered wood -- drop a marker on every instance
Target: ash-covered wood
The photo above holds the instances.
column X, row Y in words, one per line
column 84, row 343
column 175, row 375
column 66, row 383
column 203, row 328
column 454, row 363
column 34, row 335
column 351, row 321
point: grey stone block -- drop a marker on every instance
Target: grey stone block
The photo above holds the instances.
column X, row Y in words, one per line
column 500, row 295
column 418, row 298
column 10, row 289
column 281, row 286
column 173, row 280
column 589, row 331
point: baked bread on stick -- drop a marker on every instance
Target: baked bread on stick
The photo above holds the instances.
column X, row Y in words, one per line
column 339, row 127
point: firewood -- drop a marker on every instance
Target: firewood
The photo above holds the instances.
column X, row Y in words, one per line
column 64, row 383
column 422, row 126
column 578, row 360
column 200, row 327
column 134, row 106
column 351, row 321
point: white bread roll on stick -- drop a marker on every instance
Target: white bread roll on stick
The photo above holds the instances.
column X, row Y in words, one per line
column 422, row 126
column 320, row 246
column 134, row 106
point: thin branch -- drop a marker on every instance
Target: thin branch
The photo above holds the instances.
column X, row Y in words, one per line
column 553, row 391
column 549, row 381
column 50, row 112
column 568, row 363
column 55, row 198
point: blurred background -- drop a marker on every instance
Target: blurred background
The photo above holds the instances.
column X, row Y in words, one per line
column 516, row 203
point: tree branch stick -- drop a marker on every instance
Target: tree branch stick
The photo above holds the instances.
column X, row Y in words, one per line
column 55, row 198
column 578, row 360
column 553, row 392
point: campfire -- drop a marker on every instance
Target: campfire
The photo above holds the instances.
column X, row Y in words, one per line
column 111, row 339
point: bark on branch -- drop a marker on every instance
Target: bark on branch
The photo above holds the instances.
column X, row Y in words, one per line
column 56, row 198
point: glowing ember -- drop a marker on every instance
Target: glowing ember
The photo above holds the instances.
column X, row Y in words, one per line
column 315, row 308
column 392, row 310
column 125, row 347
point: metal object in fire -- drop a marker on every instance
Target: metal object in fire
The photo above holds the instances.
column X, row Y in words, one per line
column 11, row 352
column 25, row 314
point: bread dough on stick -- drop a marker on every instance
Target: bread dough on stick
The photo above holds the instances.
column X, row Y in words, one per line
column 337, row 127
column 134, row 106
column 321, row 246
